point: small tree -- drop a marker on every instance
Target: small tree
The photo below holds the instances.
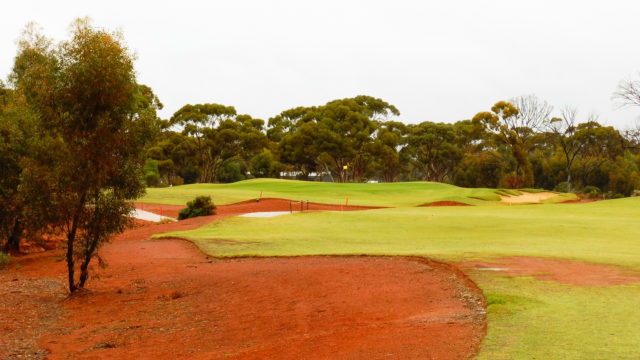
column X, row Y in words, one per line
column 262, row 165
column 200, row 206
column 85, row 93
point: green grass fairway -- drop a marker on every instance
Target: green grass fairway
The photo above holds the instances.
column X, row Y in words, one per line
column 528, row 318
column 383, row 194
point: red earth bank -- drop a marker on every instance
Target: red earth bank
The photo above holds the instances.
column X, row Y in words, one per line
column 445, row 203
column 265, row 204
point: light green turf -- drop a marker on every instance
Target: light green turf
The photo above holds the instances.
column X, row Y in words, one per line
column 383, row 194
column 528, row 318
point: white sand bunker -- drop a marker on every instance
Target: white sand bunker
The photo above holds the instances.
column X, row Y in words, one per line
column 265, row 214
column 149, row 216
column 527, row 197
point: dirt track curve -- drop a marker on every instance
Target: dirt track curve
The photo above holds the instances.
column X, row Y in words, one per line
column 163, row 299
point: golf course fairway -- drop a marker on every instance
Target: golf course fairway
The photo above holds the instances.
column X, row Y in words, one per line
column 529, row 317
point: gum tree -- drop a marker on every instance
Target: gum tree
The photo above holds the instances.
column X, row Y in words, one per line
column 85, row 93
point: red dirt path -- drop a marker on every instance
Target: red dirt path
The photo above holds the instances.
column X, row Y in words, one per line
column 163, row 299
column 579, row 201
column 562, row 271
column 445, row 203
column 265, row 204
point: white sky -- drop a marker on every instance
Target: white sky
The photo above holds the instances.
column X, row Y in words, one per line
column 439, row 61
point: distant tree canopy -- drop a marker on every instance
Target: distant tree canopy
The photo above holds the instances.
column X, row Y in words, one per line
column 518, row 143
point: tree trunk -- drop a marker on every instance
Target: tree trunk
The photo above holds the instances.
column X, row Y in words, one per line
column 84, row 267
column 70, row 262
column 13, row 242
column 71, row 238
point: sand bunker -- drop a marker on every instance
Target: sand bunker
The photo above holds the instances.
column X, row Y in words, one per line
column 149, row 216
column 527, row 198
column 265, row 214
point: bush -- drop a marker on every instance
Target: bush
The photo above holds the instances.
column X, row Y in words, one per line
column 190, row 174
column 200, row 206
column 152, row 179
column 230, row 171
column 513, row 181
column 4, row 259
column 151, row 173
column 561, row 187
column 262, row 164
column 591, row 191
column 177, row 181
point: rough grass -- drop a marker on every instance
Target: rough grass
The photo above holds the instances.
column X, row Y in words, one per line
column 383, row 194
column 528, row 318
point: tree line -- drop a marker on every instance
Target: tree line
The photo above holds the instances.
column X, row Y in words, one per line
column 521, row 143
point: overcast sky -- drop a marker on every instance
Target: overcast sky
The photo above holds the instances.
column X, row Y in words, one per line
column 439, row 61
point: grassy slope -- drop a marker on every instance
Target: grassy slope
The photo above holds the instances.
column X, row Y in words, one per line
column 528, row 318
column 383, row 194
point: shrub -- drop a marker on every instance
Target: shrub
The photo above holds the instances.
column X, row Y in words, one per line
column 190, row 174
column 262, row 164
column 513, row 181
column 230, row 171
column 4, row 259
column 591, row 191
column 561, row 187
column 200, row 206
column 177, row 181
column 151, row 173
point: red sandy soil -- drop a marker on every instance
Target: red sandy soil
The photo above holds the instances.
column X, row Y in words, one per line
column 265, row 204
column 562, row 271
column 445, row 203
column 579, row 201
column 163, row 299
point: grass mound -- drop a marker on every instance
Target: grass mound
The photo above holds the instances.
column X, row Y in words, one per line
column 401, row 194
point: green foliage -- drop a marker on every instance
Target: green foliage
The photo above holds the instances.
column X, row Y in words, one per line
column 591, row 191
column 354, row 140
column 434, row 150
column 217, row 133
column 190, row 174
column 4, row 259
column 85, row 94
column 263, row 164
column 561, row 187
column 230, row 171
column 200, row 206
column 151, row 173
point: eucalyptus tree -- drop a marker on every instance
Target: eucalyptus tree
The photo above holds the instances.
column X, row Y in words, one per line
column 564, row 131
column 85, row 93
column 335, row 136
column 434, row 150
column 513, row 124
column 385, row 150
column 203, row 123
